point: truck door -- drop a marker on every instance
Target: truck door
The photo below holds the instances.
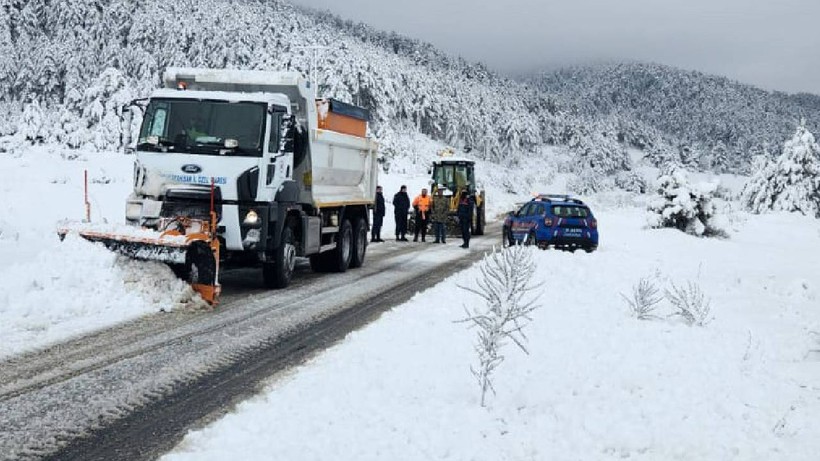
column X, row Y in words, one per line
column 279, row 165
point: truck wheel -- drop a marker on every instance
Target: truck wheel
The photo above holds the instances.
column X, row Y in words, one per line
column 341, row 256
column 182, row 271
column 359, row 243
column 200, row 264
column 277, row 274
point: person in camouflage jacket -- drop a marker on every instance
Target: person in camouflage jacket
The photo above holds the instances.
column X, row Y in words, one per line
column 439, row 213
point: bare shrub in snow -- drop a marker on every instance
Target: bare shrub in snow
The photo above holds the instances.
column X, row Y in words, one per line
column 506, row 289
column 644, row 299
column 690, row 303
column 679, row 205
column 789, row 183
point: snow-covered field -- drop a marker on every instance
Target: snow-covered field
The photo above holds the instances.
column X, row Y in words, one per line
column 598, row 383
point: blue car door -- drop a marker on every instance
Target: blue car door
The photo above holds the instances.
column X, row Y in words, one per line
column 520, row 223
column 537, row 219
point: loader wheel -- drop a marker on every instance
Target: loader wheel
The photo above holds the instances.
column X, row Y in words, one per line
column 199, row 260
column 359, row 243
column 277, row 274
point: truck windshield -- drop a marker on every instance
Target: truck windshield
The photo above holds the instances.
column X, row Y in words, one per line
column 202, row 127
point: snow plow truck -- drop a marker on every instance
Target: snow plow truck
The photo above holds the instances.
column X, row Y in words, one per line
column 246, row 168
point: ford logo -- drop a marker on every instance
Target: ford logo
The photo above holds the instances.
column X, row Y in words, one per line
column 191, row 168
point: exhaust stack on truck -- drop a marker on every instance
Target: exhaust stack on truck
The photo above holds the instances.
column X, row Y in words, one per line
column 247, row 168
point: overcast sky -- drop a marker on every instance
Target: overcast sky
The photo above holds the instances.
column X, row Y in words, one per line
column 774, row 44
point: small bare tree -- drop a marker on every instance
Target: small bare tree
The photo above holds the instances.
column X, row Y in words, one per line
column 509, row 299
column 645, row 298
column 690, row 303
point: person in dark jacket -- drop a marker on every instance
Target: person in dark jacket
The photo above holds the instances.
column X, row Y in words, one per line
column 378, row 217
column 401, row 206
column 465, row 216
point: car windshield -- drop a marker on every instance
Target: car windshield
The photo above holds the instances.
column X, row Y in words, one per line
column 570, row 211
column 202, row 127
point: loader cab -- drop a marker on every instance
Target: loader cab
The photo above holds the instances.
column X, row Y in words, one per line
column 456, row 174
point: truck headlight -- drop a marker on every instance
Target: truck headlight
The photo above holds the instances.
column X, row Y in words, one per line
column 251, row 219
column 133, row 210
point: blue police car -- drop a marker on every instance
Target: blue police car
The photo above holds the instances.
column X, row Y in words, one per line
column 559, row 221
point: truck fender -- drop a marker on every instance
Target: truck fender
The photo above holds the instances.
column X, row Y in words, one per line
column 278, row 218
column 288, row 192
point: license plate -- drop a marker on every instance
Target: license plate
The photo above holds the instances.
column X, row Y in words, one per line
column 572, row 232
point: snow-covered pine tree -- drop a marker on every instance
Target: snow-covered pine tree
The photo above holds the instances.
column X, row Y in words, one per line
column 719, row 161
column 680, row 205
column 791, row 182
column 103, row 102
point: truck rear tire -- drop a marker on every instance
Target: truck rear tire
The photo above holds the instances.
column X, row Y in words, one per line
column 359, row 243
column 278, row 273
column 344, row 246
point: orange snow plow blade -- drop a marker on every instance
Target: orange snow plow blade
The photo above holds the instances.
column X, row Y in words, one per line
column 190, row 246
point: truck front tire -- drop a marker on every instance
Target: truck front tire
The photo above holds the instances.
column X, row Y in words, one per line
column 278, row 273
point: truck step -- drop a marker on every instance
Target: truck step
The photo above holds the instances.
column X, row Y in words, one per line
column 327, row 247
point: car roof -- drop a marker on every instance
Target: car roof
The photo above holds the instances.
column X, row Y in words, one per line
column 558, row 199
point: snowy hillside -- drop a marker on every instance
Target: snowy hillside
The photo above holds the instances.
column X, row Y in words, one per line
column 407, row 85
column 707, row 122
column 118, row 50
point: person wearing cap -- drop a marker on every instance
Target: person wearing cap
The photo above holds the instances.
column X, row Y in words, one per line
column 422, row 205
column 465, row 216
column 441, row 208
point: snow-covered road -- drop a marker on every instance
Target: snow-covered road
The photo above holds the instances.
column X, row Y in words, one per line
column 50, row 397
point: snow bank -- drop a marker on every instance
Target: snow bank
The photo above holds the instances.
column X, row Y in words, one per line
column 73, row 287
column 52, row 290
